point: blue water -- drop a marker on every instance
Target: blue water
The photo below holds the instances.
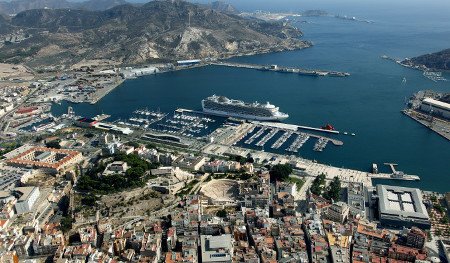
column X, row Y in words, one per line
column 367, row 103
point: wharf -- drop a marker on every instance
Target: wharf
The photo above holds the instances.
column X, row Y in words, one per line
column 274, row 68
column 439, row 126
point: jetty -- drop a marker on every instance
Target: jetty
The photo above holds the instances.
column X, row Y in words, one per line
column 282, row 69
column 395, row 175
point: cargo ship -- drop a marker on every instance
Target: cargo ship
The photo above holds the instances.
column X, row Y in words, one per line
column 225, row 107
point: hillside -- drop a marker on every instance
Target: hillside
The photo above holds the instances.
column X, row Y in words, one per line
column 439, row 60
column 156, row 31
column 17, row 6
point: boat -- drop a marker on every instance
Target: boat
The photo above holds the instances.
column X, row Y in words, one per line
column 328, row 127
column 345, row 133
column 353, row 134
column 225, row 107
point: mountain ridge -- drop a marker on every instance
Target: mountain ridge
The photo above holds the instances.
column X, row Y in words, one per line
column 438, row 60
column 156, row 31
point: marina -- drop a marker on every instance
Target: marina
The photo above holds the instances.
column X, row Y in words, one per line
column 298, row 143
column 259, row 135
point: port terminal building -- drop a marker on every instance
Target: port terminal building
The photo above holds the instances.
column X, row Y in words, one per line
column 436, row 107
column 401, row 207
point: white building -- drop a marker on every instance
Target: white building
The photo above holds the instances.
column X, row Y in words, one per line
column 437, row 108
column 216, row 248
column 27, row 197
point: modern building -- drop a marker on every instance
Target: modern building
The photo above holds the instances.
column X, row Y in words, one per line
column 436, row 107
column 52, row 160
column 26, row 198
column 402, row 207
column 218, row 249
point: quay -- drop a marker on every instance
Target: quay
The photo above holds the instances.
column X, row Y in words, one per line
column 437, row 125
column 276, row 68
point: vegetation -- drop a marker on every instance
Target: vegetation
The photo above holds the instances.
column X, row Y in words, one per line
column 333, row 191
column 66, row 224
column 53, row 144
column 298, row 182
column 188, row 188
column 280, row 172
column 222, row 213
column 6, row 147
column 317, row 184
column 136, row 176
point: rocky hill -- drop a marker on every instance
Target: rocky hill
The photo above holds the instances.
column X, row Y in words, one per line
column 17, row 6
column 156, row 31
column 439, row 60
column 223, row 7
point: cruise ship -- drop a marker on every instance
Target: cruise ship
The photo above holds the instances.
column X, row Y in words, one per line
column 223, row 106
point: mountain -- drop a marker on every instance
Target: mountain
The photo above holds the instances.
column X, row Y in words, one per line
column 17, row 6
column 223, row 7
column 100, row 4
column 439, row 60
column 157, row 31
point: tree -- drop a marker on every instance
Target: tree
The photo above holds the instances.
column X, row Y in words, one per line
column 316, row 186
column 66, row 224
column 334, row 190
column 280, row 172
column 222, row 213
column 53, row 144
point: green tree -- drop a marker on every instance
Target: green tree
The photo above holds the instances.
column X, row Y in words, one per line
column 222, row 213
column 317, row 185
column 334, row 190
column 280, row 172
column 66, row 224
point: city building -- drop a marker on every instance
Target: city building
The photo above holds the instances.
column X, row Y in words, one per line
column 49, row 159
column 416, row 238
column 216, row 248
column 402, row 207
column 355, row 199
column 117, row 167
column 338, row 212
column 189, row 162
column 26, row 198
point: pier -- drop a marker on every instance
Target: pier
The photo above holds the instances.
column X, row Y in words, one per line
column 286, row 135
column 256, row 135
column 298, row 143
column 266, row 138
column 281, row 69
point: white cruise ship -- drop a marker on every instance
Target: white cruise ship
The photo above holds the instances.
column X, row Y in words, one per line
column 223, row 106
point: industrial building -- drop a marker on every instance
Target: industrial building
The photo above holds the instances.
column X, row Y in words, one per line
column 436, row 107
column 51, row 160
column 402, row 207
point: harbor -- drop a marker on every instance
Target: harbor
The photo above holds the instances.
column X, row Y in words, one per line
column 281, row 69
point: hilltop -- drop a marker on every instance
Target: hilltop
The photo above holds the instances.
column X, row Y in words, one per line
column 157, row 31
column 439, row 60
column 17, row 6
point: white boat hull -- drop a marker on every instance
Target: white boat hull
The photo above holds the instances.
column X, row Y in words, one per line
column 244, row 116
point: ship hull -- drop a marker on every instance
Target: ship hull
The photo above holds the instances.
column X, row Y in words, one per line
column 244, row 116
